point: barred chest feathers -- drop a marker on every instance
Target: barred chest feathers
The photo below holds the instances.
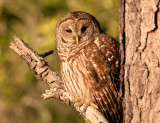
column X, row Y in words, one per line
column 75, row 77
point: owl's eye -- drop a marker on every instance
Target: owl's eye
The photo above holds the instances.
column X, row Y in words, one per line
column 83, row 28
column 69, row 30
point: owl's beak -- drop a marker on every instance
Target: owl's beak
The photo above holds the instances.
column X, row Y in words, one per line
column 77, row 39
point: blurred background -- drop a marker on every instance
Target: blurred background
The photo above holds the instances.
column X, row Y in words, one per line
column 34, row 21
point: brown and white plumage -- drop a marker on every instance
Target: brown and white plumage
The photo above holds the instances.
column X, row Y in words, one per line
column 90, row 68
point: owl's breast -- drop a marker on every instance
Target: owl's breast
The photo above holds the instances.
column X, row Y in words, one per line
column 75, row 77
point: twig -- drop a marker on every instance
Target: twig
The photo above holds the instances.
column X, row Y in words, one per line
column 46, row 54
column 44, row 72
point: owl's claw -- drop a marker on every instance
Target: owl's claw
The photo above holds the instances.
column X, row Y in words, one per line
column 75, row 99
column 84, row 108
column 79, row 102
column 89, row 104
column 93, row 105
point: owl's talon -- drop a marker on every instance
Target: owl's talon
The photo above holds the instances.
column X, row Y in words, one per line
column 80, row 103
column 76, row 99
column 84, row 108
column 94, row 105
column 89, row 104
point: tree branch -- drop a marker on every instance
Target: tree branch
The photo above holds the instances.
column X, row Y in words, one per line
column 44, row 72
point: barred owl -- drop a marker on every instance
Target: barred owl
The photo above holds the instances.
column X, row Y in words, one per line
column 89, row 62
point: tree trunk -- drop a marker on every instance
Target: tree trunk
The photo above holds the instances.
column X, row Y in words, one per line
column 140, row 60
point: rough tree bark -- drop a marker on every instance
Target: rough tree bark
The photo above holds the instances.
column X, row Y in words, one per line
column 140, row 60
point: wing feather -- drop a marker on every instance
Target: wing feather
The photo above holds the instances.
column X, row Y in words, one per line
column 103, row 55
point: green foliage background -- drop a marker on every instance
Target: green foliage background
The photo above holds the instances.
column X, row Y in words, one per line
column 35, row 21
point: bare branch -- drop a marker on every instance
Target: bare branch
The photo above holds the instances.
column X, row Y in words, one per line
column 44, row 72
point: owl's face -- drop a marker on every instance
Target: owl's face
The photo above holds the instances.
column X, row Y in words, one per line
column 74, row 32
column 76, row 27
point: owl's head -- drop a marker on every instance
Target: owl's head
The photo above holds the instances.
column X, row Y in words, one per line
column 76, row 27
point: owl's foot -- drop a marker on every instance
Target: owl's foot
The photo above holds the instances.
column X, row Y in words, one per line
column 94, row 105
column 79, row 102
column 76, row 99
column 89, row 104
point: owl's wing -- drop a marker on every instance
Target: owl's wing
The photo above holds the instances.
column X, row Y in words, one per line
column 103, row 70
